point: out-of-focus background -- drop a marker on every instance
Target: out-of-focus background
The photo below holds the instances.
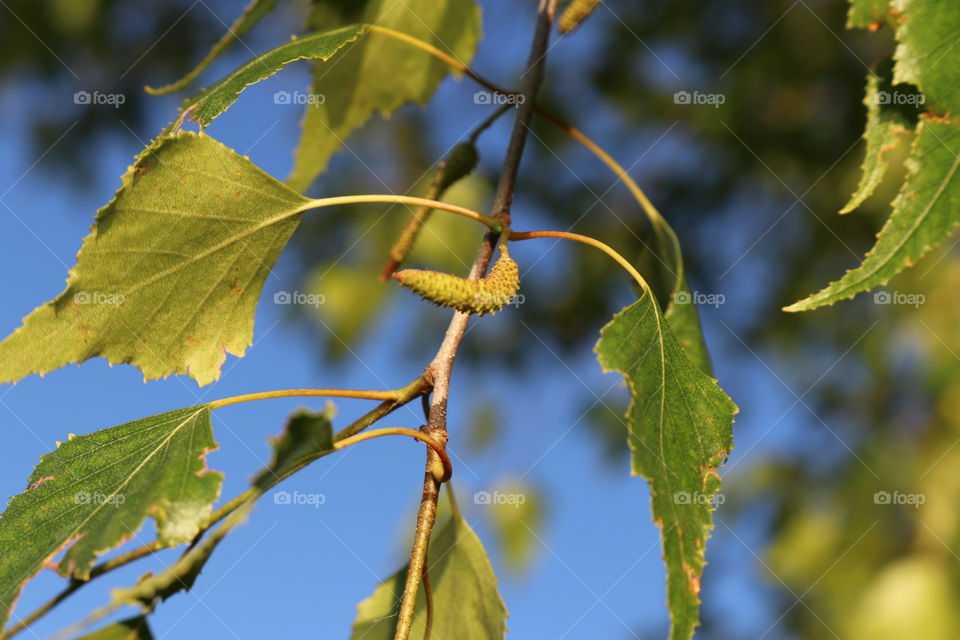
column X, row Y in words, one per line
column 839, row 515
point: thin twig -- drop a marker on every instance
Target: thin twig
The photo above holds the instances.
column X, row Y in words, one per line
column 415, row 389
column 441, row 367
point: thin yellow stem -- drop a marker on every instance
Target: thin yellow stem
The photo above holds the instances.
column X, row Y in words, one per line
column 400, row 431
column 593, row 242
column 362, row 394
column 658, row 222
column 492, row 224
column 439, row 54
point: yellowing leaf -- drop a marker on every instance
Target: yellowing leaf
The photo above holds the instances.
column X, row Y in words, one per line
column 168, row 279
column 380, row 74
column 466, row 603
column 679, row 424
column 95, row 491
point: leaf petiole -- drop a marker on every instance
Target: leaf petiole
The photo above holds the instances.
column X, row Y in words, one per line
column 593, row 242
column 317, row 203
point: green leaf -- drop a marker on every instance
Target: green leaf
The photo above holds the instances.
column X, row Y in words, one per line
column 888, row 118
column 95, row 492
column 684, row 319
column 254, row 12
column 135, row 628
column 380, row 74
column 924, row 213
column 679, row 424
column 217, row 98
column 926, row 32
column 307, row 435
column 466, row 603
column 182, row 574
column 669, row 282
column 169, row 278
column 867, row 14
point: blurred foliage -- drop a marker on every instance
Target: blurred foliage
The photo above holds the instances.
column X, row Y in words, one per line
column 516, row 521
column 752, row 187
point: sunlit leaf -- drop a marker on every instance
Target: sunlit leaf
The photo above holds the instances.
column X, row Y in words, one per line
column 926, row 31
column 217, row 98
column 466, row 603
column 679, row 424
column 253, row 13
column 169, row 278
column 380, row 74
column 95, row 491
column 889, row 118
column 924, row 213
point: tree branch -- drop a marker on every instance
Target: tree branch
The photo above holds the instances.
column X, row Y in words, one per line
column 440, row 369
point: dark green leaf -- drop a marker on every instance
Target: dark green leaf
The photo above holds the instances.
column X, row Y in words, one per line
column 217, row 98
column 306, row 436
column 95, row 491
column 256, row 10
column 679, row 424
column 135, row 628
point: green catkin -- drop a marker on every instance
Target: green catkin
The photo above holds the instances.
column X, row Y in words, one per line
column 487, row 295
column 575, row 13
column 458, row 164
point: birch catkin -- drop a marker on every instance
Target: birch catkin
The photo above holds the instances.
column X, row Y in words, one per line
column 487, row 295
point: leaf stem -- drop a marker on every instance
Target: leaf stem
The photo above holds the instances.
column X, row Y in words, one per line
column 657, row 220
column 362, row 394
column 437, row 53
column 593, row 242
column 415, row 389
column 316, row 203
column 400, row 431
